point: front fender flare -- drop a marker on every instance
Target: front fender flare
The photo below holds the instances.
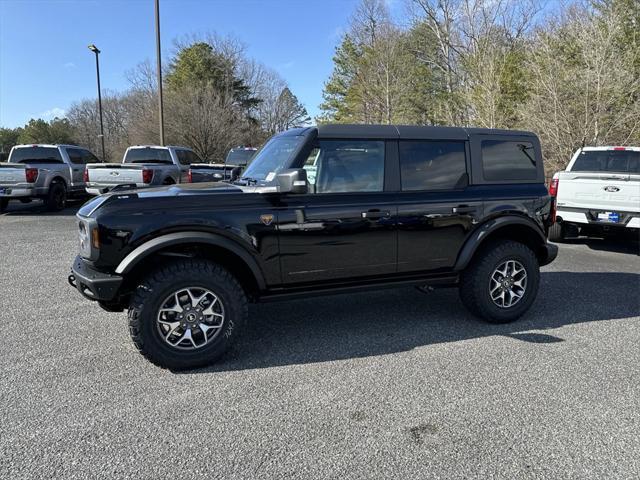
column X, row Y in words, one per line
column 178, row 238
column 478, row 236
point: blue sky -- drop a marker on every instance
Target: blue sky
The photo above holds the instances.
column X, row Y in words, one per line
column 45, row 64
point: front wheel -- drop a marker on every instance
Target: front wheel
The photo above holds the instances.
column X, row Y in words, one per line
column 501, row 283
column 187, row 314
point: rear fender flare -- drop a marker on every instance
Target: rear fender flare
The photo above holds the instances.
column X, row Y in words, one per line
column 479, row 235
column 182, row 238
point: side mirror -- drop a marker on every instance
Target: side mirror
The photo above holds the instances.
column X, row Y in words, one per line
column 235, row 174
column 293, row 180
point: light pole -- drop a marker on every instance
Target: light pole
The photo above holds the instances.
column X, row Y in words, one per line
column 158, row 54
column 95, row 50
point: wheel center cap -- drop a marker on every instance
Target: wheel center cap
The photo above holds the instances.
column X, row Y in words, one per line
column 191, row 317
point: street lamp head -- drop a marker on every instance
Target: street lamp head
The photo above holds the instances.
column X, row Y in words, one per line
column 93, row 48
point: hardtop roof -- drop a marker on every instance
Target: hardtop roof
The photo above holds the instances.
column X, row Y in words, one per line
column 411, row 132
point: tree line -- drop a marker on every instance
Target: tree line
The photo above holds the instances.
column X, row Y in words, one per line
column 215, row 98
column 569, row 73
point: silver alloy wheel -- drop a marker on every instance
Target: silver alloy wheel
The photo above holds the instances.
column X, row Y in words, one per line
column 190, row 318
column 508, row 283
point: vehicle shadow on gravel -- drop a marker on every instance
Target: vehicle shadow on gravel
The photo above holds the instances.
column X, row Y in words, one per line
column 38, row 208
column 391, row 321
column 619, row 244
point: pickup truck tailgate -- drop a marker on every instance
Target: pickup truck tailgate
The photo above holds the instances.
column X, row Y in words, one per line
column 601, row 191
column 114, row 173
column 12, row 174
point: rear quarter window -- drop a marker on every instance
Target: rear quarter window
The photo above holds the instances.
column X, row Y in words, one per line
column 504, row 160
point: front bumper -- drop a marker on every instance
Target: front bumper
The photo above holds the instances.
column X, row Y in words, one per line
column 93, row 284
column 549, row 254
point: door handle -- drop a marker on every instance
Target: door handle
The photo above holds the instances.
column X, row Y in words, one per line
column 373, row 214
column 464, row 209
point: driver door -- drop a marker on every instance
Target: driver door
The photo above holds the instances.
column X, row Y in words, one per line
column 344, row 227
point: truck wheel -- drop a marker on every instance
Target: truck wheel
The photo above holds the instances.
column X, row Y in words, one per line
column 187, row 314
column 3, row 204
column 501, row 283
column 557, row 232
column 56, row 198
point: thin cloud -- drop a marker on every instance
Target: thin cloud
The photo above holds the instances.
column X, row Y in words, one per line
column 287, row 65
column 52, row 113
column 69, row 65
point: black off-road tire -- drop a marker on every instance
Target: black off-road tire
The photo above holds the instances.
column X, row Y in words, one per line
column 3, row 204
column 475, row 281
column 557, row 232
column 151, row 292
column 56, row 199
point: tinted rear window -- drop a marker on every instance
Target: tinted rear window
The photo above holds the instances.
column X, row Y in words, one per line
column 147, row 155
column 35, row 155
column 240, row 157
column 508, row 160
column 432, row 165
column 614, row 161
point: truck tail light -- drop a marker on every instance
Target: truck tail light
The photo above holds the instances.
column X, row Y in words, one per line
column 553, row 187
column 31, row 174
column 553, row 191
column 147, row 175
column 190, row 176
column 85, row 177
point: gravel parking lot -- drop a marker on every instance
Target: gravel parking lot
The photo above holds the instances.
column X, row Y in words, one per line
column 390, row 384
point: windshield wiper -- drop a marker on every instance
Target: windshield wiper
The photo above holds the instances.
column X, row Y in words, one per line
column 249, row 181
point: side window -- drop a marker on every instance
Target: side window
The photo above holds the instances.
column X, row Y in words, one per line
column 184, row 157
column 508, row 160
column 76, row 155
column 194, row 158
column 90, row 157
column 432, row 165
column 336, row 166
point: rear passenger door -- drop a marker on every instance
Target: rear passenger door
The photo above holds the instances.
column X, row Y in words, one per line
column 437, row 209
column 344, row 227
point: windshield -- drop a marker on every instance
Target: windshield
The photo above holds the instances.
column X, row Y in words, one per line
column 35, row 155
column 273, row 157
column 613, row 161
column 147, row 155
column 240, row 157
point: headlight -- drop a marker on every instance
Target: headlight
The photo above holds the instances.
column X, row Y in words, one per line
column 88, row 238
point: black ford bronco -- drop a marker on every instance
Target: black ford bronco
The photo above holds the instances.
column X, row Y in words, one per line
column 320, row 210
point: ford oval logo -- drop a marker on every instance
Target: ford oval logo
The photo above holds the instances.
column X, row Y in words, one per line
column 611, row 188
column 114, row 174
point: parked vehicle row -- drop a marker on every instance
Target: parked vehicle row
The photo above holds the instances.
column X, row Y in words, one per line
column 321, row 210
column 598, row 193
column 55, row 172
column 47, row 172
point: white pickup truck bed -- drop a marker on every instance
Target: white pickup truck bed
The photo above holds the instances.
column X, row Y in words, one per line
column 599, row 191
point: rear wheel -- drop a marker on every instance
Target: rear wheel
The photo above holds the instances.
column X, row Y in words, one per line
column 187, row 314
column 57, row 197
column 501, row 283
column 557, row 232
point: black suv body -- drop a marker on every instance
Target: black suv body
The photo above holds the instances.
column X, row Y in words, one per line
column 327, row 209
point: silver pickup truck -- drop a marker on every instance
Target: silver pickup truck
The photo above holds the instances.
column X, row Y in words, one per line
column 142, row 166
column 47, row 172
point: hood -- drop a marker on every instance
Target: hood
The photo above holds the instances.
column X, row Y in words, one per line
column 227, row 194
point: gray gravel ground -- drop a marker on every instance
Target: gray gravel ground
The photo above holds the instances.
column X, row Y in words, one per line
column 391, row 384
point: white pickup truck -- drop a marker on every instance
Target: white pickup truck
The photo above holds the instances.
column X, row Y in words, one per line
column 142, row 166
column 598, row 193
